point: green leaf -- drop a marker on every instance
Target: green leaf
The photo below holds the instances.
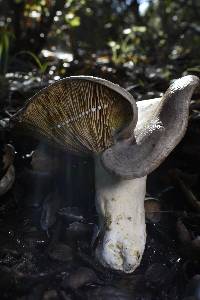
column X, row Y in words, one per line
column 41, row 66
column 35, row 58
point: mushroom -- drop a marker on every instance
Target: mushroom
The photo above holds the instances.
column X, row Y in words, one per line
column 90, row 115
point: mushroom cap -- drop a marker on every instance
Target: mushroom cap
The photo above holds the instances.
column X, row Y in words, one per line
column 162, row 123
column 82, row 114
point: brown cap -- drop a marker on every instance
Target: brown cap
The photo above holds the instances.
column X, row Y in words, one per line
column 83, row 114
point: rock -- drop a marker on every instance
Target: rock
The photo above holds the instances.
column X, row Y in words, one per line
column 81, row 277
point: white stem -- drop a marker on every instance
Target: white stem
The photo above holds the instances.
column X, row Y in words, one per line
column 120, row 206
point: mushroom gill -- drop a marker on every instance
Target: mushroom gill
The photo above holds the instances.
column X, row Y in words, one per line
column 82, row 114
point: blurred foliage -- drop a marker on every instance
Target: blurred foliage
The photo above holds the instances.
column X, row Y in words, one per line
column 134, row 32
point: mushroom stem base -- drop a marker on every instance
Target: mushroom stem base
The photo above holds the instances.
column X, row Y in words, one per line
column 120, row 206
